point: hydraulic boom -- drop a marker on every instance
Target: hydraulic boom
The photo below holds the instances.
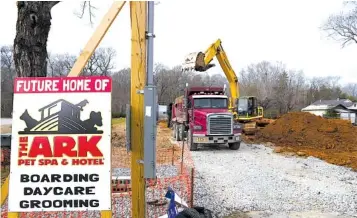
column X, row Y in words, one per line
column 201, row 62
column 244, row 108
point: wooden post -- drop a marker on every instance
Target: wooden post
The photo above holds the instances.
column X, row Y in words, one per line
column 4, row 190
column 4, row 195
column 106, row 214
column 192, row 184
column 138, row 15
column 13, row 215
column 182, row 151
column 173, row 153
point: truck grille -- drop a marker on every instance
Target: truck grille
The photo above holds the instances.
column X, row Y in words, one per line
column 220, row 125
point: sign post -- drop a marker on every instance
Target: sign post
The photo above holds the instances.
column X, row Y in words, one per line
column 61, row 145
column 138, row 77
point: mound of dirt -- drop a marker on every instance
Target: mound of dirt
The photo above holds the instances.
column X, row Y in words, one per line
column 333, row 140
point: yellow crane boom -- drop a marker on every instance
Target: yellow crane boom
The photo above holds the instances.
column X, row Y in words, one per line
column 244, row 108
column 201, row 62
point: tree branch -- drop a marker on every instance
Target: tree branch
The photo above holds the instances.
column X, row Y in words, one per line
column 86, row 5
column 343, row 27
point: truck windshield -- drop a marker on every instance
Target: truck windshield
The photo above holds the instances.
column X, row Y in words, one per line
column 210, row 103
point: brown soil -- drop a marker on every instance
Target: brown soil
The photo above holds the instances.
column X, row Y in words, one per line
column 308, row 135
column 166, row 153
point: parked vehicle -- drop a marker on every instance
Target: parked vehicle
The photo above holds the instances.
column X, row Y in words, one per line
column 202, row 114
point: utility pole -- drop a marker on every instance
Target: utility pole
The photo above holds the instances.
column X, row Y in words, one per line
column 138, row 15
column 150, row 100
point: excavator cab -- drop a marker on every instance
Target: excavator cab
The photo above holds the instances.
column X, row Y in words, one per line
column 247, row 107
column 248, row 112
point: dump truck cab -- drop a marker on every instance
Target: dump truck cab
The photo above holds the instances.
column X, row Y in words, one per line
column 203, row 115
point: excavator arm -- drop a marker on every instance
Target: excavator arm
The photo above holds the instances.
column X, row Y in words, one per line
column 201, row 62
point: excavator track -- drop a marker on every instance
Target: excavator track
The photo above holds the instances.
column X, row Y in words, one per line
column 250, row 128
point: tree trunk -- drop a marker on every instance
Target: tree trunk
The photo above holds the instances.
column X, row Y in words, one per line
column 30, row 44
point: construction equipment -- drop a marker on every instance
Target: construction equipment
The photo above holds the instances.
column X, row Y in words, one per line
column 245, row 108
column 202, row 115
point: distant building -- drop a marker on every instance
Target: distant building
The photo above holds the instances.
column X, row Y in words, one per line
column 162, row 112
column 344, row 108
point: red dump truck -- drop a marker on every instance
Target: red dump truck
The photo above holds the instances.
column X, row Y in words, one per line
column 202, row 116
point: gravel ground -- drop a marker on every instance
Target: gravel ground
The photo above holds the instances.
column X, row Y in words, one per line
column 122, row 205
column 161, row 171
column 256, row 179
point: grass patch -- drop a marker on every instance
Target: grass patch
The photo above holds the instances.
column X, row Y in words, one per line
column 116, row 121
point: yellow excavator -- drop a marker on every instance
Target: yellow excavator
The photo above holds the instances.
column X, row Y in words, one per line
column 244, row 108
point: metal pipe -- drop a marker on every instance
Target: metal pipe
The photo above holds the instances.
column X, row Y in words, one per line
column 150, row 43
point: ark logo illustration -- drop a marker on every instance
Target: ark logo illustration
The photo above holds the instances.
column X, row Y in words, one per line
column 62, row 117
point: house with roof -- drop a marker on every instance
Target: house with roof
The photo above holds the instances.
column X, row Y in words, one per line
column 353, row 107
column 344, row 108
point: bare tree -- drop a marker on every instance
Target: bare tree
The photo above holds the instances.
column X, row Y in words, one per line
column 100, row 63
column 32, row 29
column 87, row 6
column 161, row 80
column 30, row 44
column 259, row 80
column 323, row 88
column 105, row 60
column 350, row 89
column 121, row 90
column 343, row 26
column 60, row 64
column 7, row 80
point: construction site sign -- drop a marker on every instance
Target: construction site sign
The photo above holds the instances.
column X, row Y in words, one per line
column 61, row 151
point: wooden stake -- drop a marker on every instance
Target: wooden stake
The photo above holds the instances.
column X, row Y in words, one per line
column 192, row 184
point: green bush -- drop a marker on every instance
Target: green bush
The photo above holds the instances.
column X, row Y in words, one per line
column 118, row 115
column 331, row 114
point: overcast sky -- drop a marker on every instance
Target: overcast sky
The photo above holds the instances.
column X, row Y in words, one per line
column 251, row 31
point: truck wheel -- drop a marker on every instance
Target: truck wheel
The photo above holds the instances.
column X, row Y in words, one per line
column 179, row 132
column 234, row 146
column 192, row 146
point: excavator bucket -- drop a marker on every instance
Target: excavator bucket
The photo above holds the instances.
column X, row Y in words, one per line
column 195, row 62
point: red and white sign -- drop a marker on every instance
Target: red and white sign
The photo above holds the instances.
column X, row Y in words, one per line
column 61, row 145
